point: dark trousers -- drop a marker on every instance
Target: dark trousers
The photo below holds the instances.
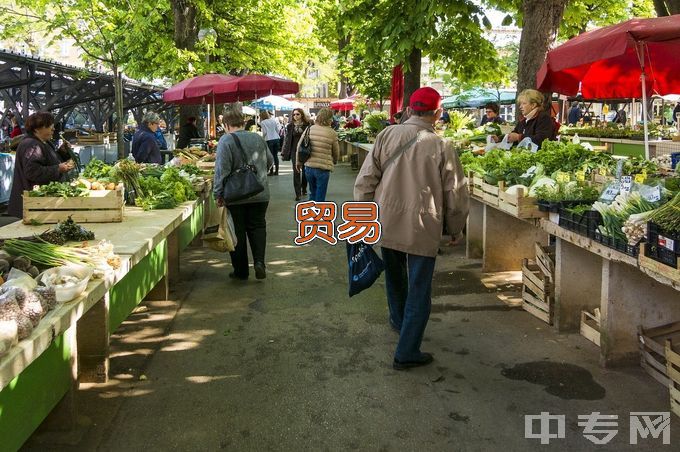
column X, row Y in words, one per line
column 250, row 223
column 408, row 283
column 275, row 147
column 299, row 179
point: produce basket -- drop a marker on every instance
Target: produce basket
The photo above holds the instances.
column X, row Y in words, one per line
column 519, row 204
column 100, row 206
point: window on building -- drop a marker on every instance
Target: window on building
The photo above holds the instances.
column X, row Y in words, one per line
column 508, row 113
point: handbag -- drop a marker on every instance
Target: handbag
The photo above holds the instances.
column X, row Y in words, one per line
column 242, row 183
column 305, row 147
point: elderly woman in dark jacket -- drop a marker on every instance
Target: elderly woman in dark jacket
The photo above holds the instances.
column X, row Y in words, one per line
column 537, row 123
column 145, row 148
column 38, row 162
column 294, row 130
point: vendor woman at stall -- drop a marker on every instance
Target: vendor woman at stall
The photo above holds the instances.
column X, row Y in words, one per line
column 536, row 124
column 38, row 161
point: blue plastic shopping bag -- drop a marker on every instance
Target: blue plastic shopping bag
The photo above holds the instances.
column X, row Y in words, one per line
column 365, row 266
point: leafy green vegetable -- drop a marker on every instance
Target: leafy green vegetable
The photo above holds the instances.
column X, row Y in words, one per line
column 96, row 169
column 59, row 189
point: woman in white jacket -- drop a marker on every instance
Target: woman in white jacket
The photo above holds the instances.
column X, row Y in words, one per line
column 270, row 131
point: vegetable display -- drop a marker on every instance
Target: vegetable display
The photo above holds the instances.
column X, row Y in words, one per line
column 668, row 215
column 59, row 190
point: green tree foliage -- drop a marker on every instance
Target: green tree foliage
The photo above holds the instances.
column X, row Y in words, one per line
column 449, row 32
column 372, row 77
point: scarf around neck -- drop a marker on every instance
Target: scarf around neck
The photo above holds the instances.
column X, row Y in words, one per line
column 532, row 114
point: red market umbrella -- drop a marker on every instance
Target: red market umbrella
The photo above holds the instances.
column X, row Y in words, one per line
column 346, row 104
column 397, row 93
column 253, row 86
column 626, row 60
column 197, row 90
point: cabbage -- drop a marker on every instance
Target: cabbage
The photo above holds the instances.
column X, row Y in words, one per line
column 539, row 183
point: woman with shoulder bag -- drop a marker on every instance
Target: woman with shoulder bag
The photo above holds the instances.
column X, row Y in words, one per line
column 299, row 124
column 248, row 214
column 325, row 152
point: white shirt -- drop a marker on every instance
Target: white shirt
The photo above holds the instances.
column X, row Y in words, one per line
column 270, row 129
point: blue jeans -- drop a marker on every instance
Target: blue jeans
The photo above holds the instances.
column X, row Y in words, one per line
column 408, row 283
column 318, row 183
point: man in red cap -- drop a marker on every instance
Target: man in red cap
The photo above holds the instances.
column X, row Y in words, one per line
column 417, row 181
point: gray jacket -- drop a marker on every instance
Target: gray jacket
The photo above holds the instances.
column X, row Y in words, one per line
column 229, row 158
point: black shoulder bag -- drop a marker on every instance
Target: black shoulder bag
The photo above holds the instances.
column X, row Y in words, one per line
column 242, row 183
column 304, row 150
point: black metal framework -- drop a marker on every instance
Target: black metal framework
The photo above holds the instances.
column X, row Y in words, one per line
column 28, row 83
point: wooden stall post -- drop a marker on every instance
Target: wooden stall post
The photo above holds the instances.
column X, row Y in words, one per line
column 631, row 299
column 93, row 343
column 474, row 239
column 578, row 282
column 507, row 240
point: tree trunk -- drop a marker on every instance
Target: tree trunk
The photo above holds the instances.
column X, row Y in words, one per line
column 118, row 101
column 412, row 77
column 541, row 23
column 344, row 83
column 185, row 36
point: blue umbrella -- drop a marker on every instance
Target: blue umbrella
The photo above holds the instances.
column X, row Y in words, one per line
column 275, row 103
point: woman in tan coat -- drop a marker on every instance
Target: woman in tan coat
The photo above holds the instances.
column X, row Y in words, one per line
column 325, row 154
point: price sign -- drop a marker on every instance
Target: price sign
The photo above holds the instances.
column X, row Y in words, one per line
column 626, row 184
column 562, row 178
column 640, row 178
column 653, row 195
column 611, row 192
column 602, row 171
column 580, row 176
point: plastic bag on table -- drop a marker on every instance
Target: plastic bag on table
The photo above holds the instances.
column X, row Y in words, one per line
column 528, row 144
column 490, row 144
column 17, row 278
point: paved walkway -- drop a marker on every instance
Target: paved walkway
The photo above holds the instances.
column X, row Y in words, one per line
column 292, row 364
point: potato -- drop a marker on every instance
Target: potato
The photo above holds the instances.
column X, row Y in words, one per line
column 110, row 186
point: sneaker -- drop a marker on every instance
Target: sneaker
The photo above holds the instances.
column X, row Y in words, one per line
column 260, row 272
column 426, row 358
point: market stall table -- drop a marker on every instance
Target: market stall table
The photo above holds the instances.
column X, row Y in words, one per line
column 71, row 343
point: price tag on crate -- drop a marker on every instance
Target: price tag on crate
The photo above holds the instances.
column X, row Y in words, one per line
column 666, row 242
column 580, row 175
column 602, row 170
column 652, row 195
column 640, row 178
column 562, row 178
column 626, row 184
column 611, row 192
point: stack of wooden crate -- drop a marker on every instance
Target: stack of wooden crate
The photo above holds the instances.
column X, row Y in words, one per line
column 661, row 359
column 538, row 277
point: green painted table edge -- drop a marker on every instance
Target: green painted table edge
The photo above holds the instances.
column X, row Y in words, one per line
column 27, row 400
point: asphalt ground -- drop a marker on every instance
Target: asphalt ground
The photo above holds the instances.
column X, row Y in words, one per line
column 291, row 363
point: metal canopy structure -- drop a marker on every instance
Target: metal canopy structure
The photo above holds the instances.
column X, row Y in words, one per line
column 28, row 84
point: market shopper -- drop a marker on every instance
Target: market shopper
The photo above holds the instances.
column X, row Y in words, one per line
column 187, row 132
column 537, row 124
column 575, row 114
column 250, row 225
column 417, row 181
column 325, row 154
column 38, row 162
column 16, row 128
column 294, row 131
column 145, row 148
column 492, row 110
column 270, row 131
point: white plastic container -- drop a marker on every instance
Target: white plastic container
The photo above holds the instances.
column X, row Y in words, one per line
column 67, row 292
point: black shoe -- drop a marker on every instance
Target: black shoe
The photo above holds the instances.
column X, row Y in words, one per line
column 304, row 193
column 425, row 359
column 260, row 272
column 297, row 198
column 233, row 275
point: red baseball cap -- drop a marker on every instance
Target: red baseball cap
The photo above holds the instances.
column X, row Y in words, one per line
column 425, row 99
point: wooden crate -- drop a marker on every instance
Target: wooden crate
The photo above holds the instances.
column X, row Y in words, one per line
column 537, row 292
column 519, row 205
column 545, row 259
column 673, row 372
column 206, row 166
column 102, row 206
column 590, row 327
column 490, row 192
column 652, row 349
column 476, row 182
column 649, row 264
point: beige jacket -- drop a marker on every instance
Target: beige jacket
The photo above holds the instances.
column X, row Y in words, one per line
column 325, row 148
column 418, row 191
